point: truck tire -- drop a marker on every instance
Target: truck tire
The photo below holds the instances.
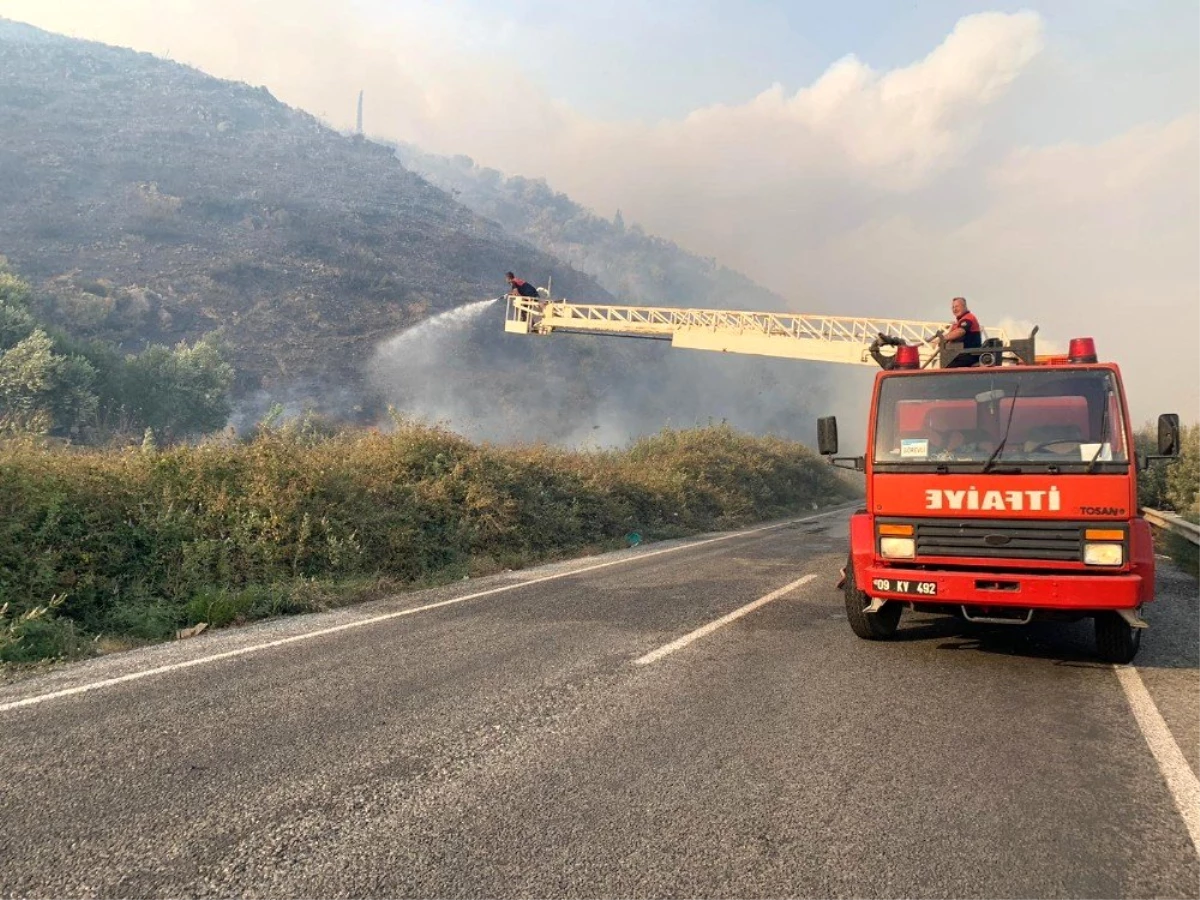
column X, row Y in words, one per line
column 1116, row 640
column 869, row 626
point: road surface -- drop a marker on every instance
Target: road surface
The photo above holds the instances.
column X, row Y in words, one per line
column 683, row 719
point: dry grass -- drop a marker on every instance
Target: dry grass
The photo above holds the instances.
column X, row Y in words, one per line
column 141, row 544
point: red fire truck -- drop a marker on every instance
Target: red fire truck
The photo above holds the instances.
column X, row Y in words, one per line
column 1002, row 491
column 1001, row 485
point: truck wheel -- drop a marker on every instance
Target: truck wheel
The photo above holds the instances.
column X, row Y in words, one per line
column 1116, row 640
column 877, row 626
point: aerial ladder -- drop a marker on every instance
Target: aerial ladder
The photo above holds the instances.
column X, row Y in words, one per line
column 837, row 339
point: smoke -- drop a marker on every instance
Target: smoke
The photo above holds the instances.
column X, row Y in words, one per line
column 320, row 400
column 429, row 373
column 462, row 371
column 866, row 192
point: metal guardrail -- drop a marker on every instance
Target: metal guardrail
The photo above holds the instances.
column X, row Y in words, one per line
column 1173, row 523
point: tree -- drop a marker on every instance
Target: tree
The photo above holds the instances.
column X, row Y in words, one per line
column 180, row 391
column 42, row 391
column 72, row 400
column 55, row 384
column 1174, row 485
column 13, row 291
column 27, row 372
column 16, row 322
column 1183, row 475
column 1152, row 481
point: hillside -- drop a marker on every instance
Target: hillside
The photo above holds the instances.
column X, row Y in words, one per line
column 650, row 384
column 638, row 268
column 147, row 201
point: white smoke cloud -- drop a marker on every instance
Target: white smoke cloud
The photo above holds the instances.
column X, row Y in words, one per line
column 866, row 192
column 892, row 128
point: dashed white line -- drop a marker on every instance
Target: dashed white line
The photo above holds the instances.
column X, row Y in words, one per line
column 1181, row 780
column 375, row 620
column 679, row 643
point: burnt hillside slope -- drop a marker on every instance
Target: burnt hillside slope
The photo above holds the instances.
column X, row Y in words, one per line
column 149, row 202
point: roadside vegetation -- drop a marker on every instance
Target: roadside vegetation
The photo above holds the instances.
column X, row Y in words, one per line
column 1175, row 488
column 89, row 392
column 104, row 549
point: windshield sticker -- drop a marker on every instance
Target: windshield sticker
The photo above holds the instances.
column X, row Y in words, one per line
column 914, row 448
column 1087, row 452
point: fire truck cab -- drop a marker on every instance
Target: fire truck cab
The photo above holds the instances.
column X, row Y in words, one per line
column 1003, row 491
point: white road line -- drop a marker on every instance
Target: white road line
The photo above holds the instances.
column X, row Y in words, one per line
column 655, row 655
column 1181, row 780
column 375, row 620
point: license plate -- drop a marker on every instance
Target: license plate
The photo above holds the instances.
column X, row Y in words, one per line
column 905, row 586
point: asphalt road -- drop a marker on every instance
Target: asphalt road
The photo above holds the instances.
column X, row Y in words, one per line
column 499, row 738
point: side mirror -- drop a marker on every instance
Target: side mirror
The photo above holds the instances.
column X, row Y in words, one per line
column 827, row 437
column 1168, row 434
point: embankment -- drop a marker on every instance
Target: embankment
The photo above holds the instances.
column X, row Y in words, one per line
column 101, row 550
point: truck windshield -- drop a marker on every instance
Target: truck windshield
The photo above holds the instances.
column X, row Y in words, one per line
column 1020, row 420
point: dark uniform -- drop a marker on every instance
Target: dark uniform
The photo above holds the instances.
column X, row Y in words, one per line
column 525, row 289
column 972, row 339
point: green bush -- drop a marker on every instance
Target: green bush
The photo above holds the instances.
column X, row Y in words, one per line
column 1183, row 475
column 1152, row 481
column 1174, row 485
column 142, row 542
column 89, row 392
column 37, row 634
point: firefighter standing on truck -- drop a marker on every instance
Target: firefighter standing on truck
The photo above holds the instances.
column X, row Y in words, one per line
column 965, row 328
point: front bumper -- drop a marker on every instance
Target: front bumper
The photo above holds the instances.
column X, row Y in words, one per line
column 1065, row 592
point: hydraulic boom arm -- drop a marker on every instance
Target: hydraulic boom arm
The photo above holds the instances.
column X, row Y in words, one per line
column 837, row 339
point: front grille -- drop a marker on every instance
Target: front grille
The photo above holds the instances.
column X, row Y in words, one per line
column 1006, row 539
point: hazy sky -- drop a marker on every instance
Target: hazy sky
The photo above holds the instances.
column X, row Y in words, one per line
column 856, row 157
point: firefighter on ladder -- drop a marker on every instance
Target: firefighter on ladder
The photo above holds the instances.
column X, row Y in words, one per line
column 518, row 287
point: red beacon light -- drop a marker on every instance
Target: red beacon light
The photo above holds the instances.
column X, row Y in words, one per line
column 908, row 357
column 1081, row 350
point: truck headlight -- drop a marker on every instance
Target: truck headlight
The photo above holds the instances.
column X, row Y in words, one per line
column 897, row 547
column 1103, row 554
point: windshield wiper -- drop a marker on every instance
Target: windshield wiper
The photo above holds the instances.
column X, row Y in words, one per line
column 1091, row 466
column 991, row 460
